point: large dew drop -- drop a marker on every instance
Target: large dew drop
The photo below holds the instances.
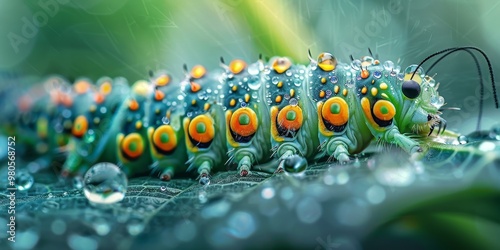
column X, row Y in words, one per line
column 24, row 180
column 105, row 183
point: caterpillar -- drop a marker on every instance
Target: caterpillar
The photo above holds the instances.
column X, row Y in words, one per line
column 238, row 116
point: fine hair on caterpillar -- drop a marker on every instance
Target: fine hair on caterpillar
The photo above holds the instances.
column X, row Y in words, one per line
column 239, row 116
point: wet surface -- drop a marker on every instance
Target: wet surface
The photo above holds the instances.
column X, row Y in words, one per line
column 328, row 205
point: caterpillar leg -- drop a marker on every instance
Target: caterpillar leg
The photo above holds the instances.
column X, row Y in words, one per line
column 244, row 165
column 167, row 173
column 204, row 173
column 339, row 150
column 407, row 144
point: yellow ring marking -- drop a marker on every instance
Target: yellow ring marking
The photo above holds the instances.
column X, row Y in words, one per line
column 201, row 129
column 244, row 122
column 164, row 137
column 335, row 111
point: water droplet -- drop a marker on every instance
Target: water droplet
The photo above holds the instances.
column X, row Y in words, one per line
column 66, row 113
column 377, row 74
column 288, row 73
column 90, row 136
column 297, row 82
column 180, row 97
column 487, row 146
column 105, row 183
column 388, row 65
column 275, row 80
column 103, row 110
column 241, row 225
column 165, row 120
column 334, row 79
column 163, row 188
column 24, row 180
column 267, row 193
column 495, row 132
column 293, row 102
column 356, row 64
column 463, row 139
column 78, row 182
column 202, row 196
column 375, row 194
column 50, row 196
column 253, row 69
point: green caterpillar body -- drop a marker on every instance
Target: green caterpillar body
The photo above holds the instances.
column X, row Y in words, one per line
column 240, row 117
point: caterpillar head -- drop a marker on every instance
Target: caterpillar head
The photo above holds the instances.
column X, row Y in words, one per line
column 421, row 91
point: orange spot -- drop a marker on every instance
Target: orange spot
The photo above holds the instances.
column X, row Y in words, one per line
column 365, row 74
column 244, row 122
column 133, row 145
column 201, row 129
column 384, row 110
column 198, row 71
column 335, row 111
column 236, row 66
column 80, row 126
column 133, row 105
column 195, row 87
column 278, row 99
column 165, row 138
column 159, row 95
column 284, row 118
column 66, row 100
column 81, row 87
column 98, row 98
column 232, row 102
column 364, row 90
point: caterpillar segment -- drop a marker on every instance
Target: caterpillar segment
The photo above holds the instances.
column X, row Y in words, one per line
column 94, row 131
column 341, row 129
column 293, row 119
column 393, row 104
column 203, row 122
column 132, row 140
column 247, row 129
column 35, row 120
column 164, row 131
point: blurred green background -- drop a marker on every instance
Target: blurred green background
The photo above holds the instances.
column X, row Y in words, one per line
column 127, row 38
